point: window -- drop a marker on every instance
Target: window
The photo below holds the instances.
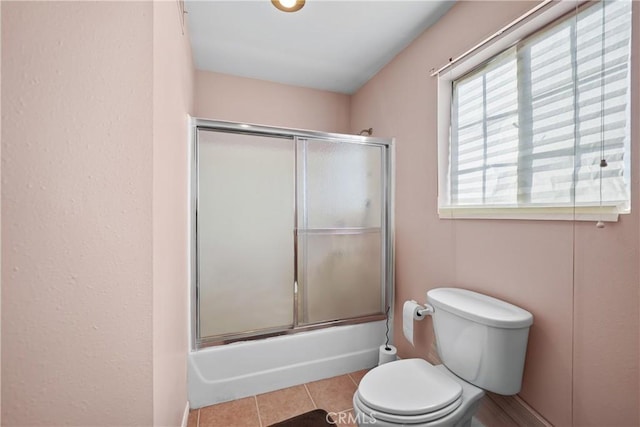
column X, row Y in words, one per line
column 528, row 128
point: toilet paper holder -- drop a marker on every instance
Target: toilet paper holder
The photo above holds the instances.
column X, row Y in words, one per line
column 426, row 310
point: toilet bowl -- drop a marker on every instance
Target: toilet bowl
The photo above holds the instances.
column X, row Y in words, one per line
column 414, row 392
column 482, row 343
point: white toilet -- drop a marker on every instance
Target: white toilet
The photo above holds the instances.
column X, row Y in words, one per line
column 482, row 343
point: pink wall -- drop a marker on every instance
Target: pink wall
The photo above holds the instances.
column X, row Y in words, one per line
column 172, row 101
column 582, row 363
column 0, row 218
column 94, row 238
column 224, row 97
column 77, row 202
column 606, row 316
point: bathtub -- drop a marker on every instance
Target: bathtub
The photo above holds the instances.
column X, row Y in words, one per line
column 223, row 373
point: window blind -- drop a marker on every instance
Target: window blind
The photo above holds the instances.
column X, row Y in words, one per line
column 530, row 126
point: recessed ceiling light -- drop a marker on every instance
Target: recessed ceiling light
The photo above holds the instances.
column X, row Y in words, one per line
column 288, row 5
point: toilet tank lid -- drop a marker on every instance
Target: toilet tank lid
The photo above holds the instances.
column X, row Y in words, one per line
column 480, row 308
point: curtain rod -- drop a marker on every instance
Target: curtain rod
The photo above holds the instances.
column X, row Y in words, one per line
column 491, row 37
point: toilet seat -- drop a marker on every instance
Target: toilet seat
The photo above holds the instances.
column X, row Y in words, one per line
column 408, row 391
column 406, row 419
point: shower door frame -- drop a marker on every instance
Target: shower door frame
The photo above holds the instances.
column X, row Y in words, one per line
column 295, row 135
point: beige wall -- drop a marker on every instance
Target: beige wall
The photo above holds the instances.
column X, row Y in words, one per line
column 224, row 97
column 172, row 101
column 94, row 318
column 582, row 363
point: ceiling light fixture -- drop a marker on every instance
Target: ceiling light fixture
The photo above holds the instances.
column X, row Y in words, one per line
column 288, row 5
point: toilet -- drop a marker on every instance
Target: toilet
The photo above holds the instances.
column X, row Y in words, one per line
column 482, row 342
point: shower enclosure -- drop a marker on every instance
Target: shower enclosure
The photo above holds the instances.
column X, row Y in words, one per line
column 291, row 230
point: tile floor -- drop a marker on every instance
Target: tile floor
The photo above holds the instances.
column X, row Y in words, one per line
column 331, row 394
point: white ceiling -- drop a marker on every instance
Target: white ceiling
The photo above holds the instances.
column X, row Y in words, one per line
column 329, row 45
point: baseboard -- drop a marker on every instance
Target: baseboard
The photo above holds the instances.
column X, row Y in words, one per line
column 185, row 416
column 518, row 411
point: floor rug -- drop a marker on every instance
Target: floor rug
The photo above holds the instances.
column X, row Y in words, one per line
column 315, row 418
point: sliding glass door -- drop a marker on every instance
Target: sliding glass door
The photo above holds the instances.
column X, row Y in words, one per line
column 291, row 230
column 340, row 230
column 245, row 228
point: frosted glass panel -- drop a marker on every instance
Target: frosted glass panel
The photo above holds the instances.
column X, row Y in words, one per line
column 342, row 185
column 342, row 276
column 245, row 232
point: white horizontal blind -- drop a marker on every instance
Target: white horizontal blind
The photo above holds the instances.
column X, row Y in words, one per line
column 527, row 127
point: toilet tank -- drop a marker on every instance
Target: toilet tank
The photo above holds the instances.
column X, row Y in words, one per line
column 481, row 339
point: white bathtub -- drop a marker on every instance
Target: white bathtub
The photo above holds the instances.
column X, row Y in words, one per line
column 223, row 373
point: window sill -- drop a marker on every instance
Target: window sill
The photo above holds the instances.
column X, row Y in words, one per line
column 596, row 213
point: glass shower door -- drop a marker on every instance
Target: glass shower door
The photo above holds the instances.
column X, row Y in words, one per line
column 245, row 223
column 341, row 252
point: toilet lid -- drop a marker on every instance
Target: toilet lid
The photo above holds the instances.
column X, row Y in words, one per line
column 408, row 387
